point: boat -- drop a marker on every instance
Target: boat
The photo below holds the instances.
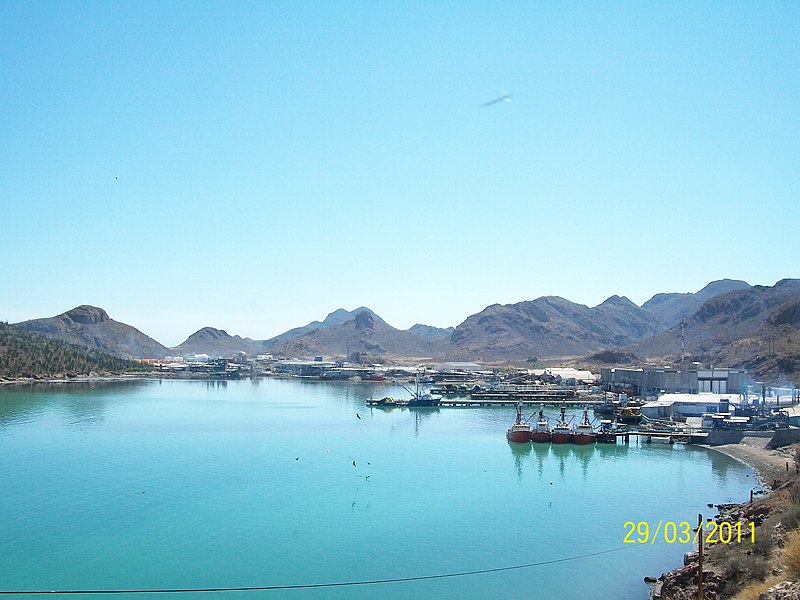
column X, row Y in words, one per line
column 420, row 398
column 542, row 431
column 607, row 433
column 607, row 408
column 520, row 430
column 386, row 401
column 630, row 415
column 451, row 389
column 584, row 432
column 561, row 433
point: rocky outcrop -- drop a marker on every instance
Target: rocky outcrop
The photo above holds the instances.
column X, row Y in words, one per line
column 786, row 590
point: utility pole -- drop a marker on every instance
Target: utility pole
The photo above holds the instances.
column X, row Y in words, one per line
column 700, row 595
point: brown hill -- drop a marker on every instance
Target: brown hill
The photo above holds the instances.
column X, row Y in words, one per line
column 91, row 327
column 547, row 327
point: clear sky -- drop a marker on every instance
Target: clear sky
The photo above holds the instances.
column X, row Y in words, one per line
column 253, row 166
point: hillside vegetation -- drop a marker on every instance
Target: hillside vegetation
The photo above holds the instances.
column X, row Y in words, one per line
column 24, row 354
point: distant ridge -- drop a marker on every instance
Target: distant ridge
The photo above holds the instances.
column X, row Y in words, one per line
column 337, row 317
column 216, row 342
column 429, row 330
column 364, row 333
column 728, row 322
column 671, row 308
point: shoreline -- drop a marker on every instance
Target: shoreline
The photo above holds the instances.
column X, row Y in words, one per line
column 774, row 470
column 773, row 467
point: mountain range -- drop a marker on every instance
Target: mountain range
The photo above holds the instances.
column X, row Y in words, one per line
column 728, row 322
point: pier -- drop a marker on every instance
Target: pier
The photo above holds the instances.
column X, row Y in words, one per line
column 528, row 400
column 505, row 400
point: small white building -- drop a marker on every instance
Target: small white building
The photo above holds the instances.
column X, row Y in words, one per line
column 671, row 406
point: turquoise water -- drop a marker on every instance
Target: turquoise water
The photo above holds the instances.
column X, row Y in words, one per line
column 180, row 484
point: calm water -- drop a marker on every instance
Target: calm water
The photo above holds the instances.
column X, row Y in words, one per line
column 180, row 484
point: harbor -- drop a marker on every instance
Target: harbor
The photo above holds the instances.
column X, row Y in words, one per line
column 254, row 471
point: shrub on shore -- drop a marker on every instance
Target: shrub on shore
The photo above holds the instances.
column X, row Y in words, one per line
column 753, row 590
column 791, row 553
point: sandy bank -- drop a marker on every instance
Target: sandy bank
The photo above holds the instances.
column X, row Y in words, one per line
column 774, row 467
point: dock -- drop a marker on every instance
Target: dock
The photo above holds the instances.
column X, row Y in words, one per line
column 666, row 437
column 506, row 401
column 530, row 400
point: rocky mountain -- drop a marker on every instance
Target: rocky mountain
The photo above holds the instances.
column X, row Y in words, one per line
column 91, row 327
column 365, row 333
column 671, row 308
column 337, row 317
column 757, row 328
column 549, row 326
column 217, row 342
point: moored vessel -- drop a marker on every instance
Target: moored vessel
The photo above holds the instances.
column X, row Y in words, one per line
column 420, row 398
column 607, row 433
column 541, row 432
column 561, row 433
column 386, row 401
column 584, row 432
column 520, row 430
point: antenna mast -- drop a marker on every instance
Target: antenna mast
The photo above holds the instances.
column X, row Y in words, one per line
column 683, row 340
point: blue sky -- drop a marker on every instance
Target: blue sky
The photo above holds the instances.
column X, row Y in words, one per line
column 253, row 166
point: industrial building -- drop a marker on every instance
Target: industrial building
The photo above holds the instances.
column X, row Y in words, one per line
column 653, row 381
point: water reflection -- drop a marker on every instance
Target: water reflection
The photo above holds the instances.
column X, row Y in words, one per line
column 81, row 404
column 540, row 451
column 520, row 452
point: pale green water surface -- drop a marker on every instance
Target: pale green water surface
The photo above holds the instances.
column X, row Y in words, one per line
column 182, row 484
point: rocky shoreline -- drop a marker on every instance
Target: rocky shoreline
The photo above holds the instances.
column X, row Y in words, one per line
column 777, row 470
column 91, row 378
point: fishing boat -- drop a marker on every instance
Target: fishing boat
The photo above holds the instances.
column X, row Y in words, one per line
column 520, row 430
column 541, row 433
column 561, row 433
column 584, row 432
column 607, row 432
column 630, row 415
column 420, row 398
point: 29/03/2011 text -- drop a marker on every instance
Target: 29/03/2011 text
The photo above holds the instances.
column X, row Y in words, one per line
column 683, row 532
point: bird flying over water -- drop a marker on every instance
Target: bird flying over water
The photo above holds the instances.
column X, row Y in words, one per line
column 503, row 96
